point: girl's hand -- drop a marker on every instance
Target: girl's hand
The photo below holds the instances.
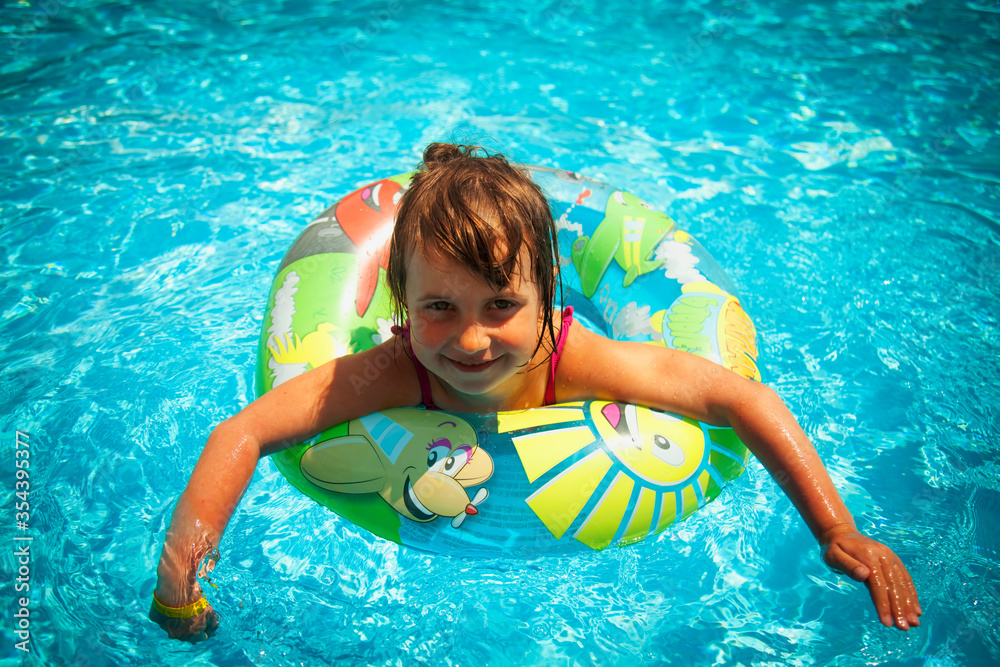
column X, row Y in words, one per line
column 194, row 629
column 888, row 582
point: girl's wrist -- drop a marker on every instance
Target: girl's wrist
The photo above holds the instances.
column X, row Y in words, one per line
column 836, row 530
column 179, row 611
column 178, row 571
column 178, row 596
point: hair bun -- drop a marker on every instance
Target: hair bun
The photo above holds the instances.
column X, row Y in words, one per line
column 440, row 153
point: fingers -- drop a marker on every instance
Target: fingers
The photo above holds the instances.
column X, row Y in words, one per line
column 839, row 559
column 212, row 625
column 200, row 631
column 186, row 629
column 888, row 582
column 880, row 596
column 895, row 597
column 902, row 594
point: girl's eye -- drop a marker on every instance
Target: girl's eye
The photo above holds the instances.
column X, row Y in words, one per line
column 503, row 304
column 438, row 305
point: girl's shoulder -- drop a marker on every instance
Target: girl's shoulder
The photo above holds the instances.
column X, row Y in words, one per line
column 593, row 366
column 378, row 378
column 340, row 390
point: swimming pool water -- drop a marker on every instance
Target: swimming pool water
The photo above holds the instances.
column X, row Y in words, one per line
column 840, row 160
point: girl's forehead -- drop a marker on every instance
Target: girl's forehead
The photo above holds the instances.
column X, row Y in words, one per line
column 430, row 270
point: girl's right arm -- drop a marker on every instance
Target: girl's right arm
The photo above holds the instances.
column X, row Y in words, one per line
column 685, row 384
column 299, row 408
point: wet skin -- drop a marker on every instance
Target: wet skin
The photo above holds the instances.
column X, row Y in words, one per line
column 476, row 340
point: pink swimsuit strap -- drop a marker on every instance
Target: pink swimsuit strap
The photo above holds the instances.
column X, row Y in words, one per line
column 550, row 383
column 425, row 383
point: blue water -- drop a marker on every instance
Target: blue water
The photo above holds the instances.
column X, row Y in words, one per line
column 840, row 159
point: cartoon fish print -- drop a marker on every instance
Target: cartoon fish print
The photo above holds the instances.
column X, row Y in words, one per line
column 421, row 462
column 367, row 216
column 708, row 322
column 628, row 234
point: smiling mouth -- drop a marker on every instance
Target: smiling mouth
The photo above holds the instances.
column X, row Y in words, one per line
column 419, row 512
column 471, row 366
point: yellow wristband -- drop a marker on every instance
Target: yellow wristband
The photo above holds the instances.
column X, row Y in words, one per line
column 187, row 611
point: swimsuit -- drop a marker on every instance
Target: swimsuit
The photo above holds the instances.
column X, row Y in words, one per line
column 550, row 382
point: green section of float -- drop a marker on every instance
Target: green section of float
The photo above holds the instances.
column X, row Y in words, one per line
column 367, row 510
column 311, row 309
column 305, row 297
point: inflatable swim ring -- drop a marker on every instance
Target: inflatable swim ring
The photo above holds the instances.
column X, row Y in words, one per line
column 557, row 479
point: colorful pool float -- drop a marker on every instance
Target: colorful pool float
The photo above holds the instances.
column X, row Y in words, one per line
column 563, row 478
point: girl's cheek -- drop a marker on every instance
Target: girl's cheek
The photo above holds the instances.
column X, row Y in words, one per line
column 426, row 329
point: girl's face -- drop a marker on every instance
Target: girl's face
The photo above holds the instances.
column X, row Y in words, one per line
column 472, row 337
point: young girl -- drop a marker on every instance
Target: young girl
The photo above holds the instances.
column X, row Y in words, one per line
column 472, row 266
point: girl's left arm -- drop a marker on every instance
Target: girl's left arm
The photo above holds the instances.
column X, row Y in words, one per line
column 683, row 383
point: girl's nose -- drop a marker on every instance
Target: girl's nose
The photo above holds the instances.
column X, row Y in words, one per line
column 473, row 338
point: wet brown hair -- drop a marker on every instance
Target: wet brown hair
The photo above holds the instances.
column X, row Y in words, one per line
column 475, row 208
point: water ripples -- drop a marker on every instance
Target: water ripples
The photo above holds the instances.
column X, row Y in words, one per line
column 839, row 159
